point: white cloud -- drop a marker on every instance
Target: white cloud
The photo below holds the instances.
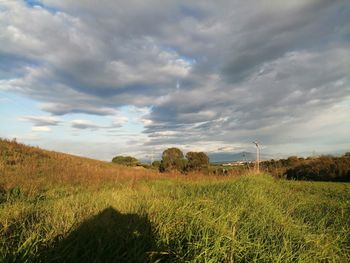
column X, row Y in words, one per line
column 41, row 129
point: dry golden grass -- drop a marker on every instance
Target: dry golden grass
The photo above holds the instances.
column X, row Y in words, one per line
column 32, row 169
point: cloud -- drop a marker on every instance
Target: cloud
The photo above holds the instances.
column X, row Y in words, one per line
column 62, row 109
column 222, row 73
column 83, row 69
column 295, row 88
column 41, row 129
column 117, row 122
column 41, row 120
column 85, row 124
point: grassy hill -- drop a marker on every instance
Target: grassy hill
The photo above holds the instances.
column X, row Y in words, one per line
column 33, row 169
column 61, row 208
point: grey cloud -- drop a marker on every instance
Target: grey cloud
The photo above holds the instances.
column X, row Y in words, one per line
column 13, row 65
column 62, row 109
column 78, row 60
column 42, row 120
column 245, row 69
column 312, row 83
column 270, row 34
column 87, row 124
column 84, row 124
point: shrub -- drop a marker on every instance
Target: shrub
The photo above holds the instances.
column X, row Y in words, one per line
column 125, row 160
column 156, row 164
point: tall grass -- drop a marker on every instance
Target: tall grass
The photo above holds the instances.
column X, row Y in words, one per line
column 155, row 218
column 33, row 169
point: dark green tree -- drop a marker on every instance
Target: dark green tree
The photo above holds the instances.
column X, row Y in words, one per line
column 323, row 168
column 197, row 161
column 173, row 159
column 125, row 160
column 156, row 164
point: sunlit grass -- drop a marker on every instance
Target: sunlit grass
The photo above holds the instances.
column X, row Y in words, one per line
column 172, row 219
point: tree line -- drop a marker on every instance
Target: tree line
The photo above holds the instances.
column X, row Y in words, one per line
column 173, row 159
column 322, row 168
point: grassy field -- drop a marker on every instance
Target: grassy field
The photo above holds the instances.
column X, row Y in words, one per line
column 59, row 208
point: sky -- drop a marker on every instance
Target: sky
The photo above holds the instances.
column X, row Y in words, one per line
column 106, row 78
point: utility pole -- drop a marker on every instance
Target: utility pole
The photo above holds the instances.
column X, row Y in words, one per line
column 257, row 156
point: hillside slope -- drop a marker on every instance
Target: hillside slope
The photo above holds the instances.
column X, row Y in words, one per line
column 31, row 167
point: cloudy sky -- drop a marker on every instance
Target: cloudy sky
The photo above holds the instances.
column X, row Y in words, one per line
column 101, row 78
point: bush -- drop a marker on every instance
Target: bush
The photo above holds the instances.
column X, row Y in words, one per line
column 156, row 164
column 125, row 160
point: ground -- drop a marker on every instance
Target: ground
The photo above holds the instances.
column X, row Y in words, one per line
column 142, row 216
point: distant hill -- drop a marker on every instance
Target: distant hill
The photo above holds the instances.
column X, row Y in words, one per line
column 221, row 157
column 27, row 166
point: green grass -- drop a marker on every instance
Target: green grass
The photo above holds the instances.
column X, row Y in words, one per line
column 244, row 219
column 60, row 208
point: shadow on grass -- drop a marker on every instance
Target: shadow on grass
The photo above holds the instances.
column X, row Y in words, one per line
column 110, row 236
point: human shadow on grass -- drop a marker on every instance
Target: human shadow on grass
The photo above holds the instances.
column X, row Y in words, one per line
column 110, row 236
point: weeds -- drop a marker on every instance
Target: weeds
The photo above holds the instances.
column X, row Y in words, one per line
column 115, row 214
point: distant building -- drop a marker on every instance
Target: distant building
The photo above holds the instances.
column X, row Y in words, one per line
column 237, row 163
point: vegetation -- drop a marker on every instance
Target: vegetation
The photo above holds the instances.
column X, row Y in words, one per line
column 173, row 160
column 31, row 170
column 323, row 168
column 156, row 164
column 197, row 161
column 72, row 209
column 126, row 160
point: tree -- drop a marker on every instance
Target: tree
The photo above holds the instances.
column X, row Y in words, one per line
column 172, row 159
column 125, row 160
column 156, row 164
column 292, row 161
column 197, row 161
column 323, row 168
